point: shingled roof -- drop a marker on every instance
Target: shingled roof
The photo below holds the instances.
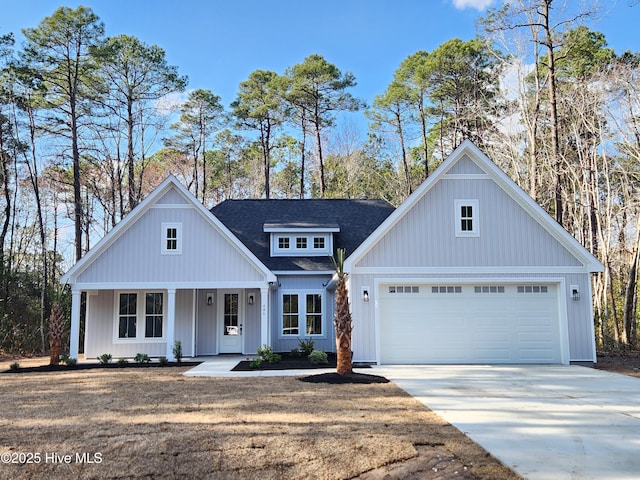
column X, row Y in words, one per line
column 356, row 219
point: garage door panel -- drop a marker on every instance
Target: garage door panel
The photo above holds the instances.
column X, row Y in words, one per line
column 433, row 324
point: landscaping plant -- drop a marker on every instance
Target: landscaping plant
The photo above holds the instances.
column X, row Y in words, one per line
column 342, row 319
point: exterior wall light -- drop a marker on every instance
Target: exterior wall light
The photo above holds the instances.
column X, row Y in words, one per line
column 575, row 292
column 365, row 294
column 209, row 299
column 250, row 299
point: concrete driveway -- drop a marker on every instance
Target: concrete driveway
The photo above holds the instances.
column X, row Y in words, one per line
column 544, row 422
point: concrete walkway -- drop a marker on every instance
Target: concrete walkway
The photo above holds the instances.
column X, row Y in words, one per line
column 221, row 367
column 544, row 422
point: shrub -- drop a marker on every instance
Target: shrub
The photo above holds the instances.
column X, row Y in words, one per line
column 105, row 358
column 141, row 358
column 306, row 346
column 14, row 367
column 255, row 363
column 177, row 350
column 64, row 357
column 122, row 362
column 267, row 355
column 70, row 361
column 295, row 352
column 318, row 357
column 163, row 361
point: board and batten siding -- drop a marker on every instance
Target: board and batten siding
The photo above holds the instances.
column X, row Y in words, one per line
column 426, row 237
column 578, row 313
column 136, row 255
column 100, row 327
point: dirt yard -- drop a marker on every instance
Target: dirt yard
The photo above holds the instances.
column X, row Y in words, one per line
column 156, row 423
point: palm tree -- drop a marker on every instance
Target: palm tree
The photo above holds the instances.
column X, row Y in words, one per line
column 342, row 319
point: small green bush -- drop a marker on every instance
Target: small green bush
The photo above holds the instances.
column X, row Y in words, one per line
column 14, row 367
column 122, row 362
column 163, row 361
column 177, row 350
column 71, row 362
column 295, row 352
column 64, row 357
column 141, row 358
column 318, row 357
column 306, row 346
column 105, row 358
column 255, row 363
column 267, row 355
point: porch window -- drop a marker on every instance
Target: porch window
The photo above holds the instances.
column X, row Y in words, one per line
column 127, row 317
column 139, row 309
column 153, row 315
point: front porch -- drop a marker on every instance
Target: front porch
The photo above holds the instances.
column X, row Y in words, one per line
column 207, row 320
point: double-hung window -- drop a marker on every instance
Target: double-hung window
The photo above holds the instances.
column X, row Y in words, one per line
column 171, row 239
column 140, row 316
column 302, row 314
column 466, row 218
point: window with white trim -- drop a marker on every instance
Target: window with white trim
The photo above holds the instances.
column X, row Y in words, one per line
column 466, row 218
column 140, row 316
column 302, row 314
column 171, row 238
column 299, row 244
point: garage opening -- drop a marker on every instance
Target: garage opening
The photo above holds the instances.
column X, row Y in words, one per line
column 469, row 323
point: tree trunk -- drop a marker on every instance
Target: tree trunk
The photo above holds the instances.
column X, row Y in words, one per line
column 342, row 319
column 553, row 108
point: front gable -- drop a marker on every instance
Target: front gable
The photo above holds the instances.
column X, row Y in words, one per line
column 201, row 251
column 508, row 231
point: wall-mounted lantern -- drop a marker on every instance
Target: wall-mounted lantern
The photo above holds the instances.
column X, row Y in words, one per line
column 575, row 292
column 365, row 294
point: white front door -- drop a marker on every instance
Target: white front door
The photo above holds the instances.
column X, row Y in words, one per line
column 230, row 321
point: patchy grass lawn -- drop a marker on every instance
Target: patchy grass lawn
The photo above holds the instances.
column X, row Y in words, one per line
column 156, row 423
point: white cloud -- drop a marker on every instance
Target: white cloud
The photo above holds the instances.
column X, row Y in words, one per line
column 477, row 4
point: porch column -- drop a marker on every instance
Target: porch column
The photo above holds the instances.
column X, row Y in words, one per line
column 264, row 318
column 171, row 322
column 74, row 340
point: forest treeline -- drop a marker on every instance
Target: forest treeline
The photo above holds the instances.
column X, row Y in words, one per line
column 89, row 126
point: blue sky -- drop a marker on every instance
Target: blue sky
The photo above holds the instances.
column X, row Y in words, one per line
column 218, row 43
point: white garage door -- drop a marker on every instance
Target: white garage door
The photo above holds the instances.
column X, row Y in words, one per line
column 453, row 323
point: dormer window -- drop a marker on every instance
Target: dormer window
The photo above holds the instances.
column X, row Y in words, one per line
column 283, row 243
column 301, row 239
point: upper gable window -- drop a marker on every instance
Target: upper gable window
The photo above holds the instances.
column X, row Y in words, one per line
column 466, row 218
column 171, row 238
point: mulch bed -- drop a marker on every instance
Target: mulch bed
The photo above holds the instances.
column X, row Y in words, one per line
column 336, row 379
column 97, row 366
column 287, row 362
